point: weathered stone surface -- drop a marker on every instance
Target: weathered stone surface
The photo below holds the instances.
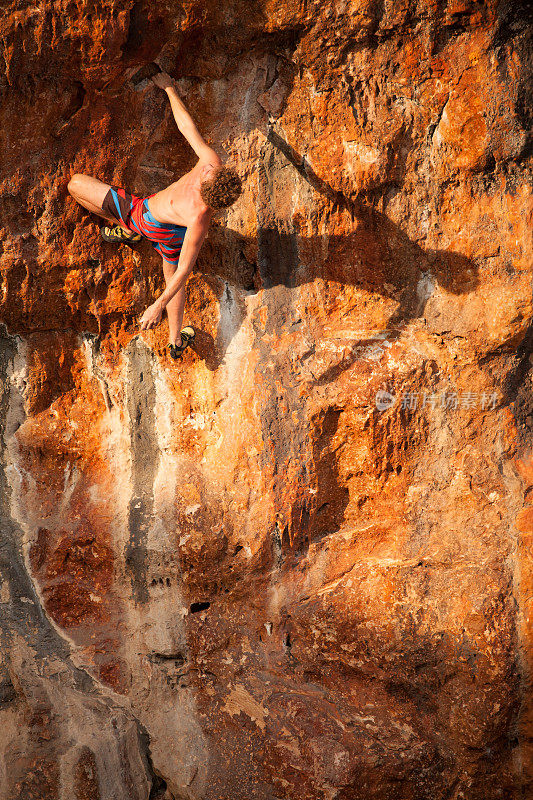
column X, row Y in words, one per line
column 242, row 576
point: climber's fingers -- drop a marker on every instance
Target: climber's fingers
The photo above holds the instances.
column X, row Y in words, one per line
column 163, row 80
column 151, row 317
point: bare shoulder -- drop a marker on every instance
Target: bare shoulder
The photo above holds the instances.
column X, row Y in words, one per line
column 209, row 156
column 199, row 224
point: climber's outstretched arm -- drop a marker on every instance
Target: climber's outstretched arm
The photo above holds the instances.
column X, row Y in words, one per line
column 185, row 122
column 192, row 243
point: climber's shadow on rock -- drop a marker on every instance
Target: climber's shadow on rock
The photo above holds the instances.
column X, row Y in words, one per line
column 377, row 256
column 379, row 252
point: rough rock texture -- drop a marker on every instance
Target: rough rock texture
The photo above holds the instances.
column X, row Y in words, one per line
column 298, row 565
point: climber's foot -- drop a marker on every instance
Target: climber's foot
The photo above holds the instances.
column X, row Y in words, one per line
column 116, row 235
column 187, row 336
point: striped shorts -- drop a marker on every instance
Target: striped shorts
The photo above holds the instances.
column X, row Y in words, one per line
column 134, row 212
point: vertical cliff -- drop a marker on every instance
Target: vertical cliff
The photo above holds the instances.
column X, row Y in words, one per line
column 296, row 565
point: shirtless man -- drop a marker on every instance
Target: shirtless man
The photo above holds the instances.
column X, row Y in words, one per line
column 175, row 221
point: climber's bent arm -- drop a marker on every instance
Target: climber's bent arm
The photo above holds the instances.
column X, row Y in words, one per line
column 192, row 243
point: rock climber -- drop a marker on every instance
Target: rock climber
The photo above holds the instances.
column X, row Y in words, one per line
column 175, row 221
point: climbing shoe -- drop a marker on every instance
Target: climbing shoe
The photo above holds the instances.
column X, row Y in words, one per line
column 117, row 235
column 187, row 336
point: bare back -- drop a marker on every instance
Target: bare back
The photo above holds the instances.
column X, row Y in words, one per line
column 181, row 203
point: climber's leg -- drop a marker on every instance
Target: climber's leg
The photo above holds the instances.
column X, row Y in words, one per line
column 175, row 306
column 178, row 340
column 90, row 193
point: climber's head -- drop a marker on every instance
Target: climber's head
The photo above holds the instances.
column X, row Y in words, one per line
column 220, row 187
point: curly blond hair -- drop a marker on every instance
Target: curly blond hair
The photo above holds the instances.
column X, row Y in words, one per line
column 222, row 189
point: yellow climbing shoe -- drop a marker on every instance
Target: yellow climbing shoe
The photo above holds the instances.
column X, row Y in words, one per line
column 187, row 336
column 117, row 235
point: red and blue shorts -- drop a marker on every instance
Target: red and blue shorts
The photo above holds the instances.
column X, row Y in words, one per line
column 135, row 214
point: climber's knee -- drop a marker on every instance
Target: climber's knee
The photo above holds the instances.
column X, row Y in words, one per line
column 88, row 191
column 75, row 184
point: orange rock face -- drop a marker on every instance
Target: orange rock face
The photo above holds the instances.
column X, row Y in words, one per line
column 296, row 565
